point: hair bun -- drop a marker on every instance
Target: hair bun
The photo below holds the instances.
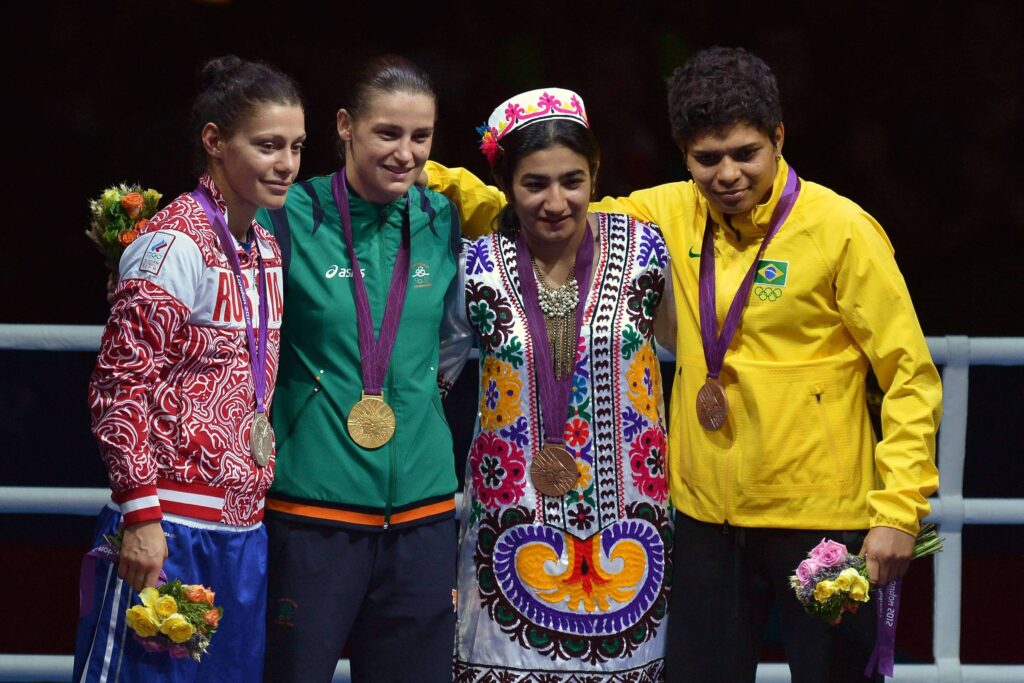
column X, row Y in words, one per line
column 218, row 67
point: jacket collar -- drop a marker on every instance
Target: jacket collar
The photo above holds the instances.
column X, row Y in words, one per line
column 755, row 222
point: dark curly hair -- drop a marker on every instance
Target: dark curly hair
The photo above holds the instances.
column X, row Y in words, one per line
column 718, row 88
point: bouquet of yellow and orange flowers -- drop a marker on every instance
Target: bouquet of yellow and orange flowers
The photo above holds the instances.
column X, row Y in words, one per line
column 117, row 216
column 176, row 618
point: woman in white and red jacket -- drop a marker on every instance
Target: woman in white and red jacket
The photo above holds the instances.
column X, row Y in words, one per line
column 183, row 384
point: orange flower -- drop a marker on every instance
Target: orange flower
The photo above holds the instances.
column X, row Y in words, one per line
column 199, row 594
column 141, row 223
column 212, row 617
column 132, row 204
column 127, row 237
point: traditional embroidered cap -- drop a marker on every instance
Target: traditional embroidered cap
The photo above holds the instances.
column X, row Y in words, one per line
column 525, row 108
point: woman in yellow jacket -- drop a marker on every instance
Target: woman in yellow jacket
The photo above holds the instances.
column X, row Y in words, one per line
column 770, row 442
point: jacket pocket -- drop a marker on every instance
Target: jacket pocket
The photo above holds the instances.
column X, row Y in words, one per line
column 792, row 427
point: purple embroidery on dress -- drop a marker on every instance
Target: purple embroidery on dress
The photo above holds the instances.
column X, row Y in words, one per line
column 522, row 599
column 652, row 249
column 478, row 258
column 517, row 432
column 632, row 423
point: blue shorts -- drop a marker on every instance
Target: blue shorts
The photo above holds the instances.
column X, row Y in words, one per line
column 230, row 561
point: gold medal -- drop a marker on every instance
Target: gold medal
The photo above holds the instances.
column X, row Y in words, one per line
column 712, row 405
column 261, row 439
column 553, row 471
column 371, row 422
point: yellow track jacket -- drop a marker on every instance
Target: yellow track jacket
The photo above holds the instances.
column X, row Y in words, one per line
column 797, row 451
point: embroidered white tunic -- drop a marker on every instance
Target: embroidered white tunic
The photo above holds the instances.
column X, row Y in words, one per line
column 577, row 584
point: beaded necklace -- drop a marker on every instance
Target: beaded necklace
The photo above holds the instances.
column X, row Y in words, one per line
column 558, row 304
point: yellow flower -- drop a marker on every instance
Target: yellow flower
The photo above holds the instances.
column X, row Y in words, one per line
column 499, row 400
column 846, row 579
column 149, row 596
column 110, row 197
column 143, row 621
column 584, row 479
column 177, row 628
column 824, row 590
column 151, row 196
column 166, row 606
column 860, row 588
column 644, row 377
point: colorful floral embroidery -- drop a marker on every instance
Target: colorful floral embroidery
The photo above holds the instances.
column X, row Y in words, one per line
column 571, row 588
column 631, row 341
column 644, row 377
column 512, row 352
column 518, row 432
column 585, row 476
column 577, row 432
column 647, row 461
column 478, row 257
column 632, row 423
column 652, row 249
column 499, row 394
column 499, row 471
column 642, row 301
column 488, row 314
column 579, row 607
column 580, row 389
column 581, row 516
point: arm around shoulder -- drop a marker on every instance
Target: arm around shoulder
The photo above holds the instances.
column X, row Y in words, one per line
column 478, row 204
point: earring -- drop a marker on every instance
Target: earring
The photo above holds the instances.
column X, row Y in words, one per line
column 778, row 157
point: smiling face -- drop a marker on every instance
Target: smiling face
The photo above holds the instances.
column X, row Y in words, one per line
column 256, row 165
column 735, row 169
column 550, row 191
column 387, row 146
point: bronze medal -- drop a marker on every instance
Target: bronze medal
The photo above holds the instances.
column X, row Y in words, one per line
column 261, row 439
column 712, row 405
column 371, row 422
column 553, row 471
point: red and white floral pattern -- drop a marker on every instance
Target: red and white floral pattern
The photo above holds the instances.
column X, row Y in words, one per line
column 172, row 395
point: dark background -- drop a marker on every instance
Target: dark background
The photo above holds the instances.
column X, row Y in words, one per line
column 909, row 108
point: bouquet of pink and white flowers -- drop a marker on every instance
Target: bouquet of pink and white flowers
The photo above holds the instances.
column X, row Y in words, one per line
column 831, row 581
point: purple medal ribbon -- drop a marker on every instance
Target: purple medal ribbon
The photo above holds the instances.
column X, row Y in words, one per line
column 375, row 354
column 554, row 392
column 715, row 345
column 257, row 354
column 887, row 610
column 104, row 551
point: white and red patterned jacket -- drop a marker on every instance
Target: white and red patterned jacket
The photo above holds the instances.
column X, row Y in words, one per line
column 172, row 395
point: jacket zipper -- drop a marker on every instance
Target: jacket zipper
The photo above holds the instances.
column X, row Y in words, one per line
column 382, row 255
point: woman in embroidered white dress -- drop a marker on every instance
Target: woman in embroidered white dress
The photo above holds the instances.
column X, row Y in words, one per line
column 565, row 547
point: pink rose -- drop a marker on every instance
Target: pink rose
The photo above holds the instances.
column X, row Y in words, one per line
column 828, row 553
column 806, row 571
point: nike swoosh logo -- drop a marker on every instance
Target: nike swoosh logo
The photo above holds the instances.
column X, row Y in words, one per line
column 692, row 255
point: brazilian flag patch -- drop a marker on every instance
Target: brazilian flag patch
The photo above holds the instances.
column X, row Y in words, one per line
column 772, row 273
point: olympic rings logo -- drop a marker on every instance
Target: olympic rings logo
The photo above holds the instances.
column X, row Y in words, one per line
column 768, row 293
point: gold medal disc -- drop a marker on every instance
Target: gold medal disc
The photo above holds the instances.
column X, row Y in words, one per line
column 553, row 471
column 261, row 439
column 371, row 422
column 712, row 405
